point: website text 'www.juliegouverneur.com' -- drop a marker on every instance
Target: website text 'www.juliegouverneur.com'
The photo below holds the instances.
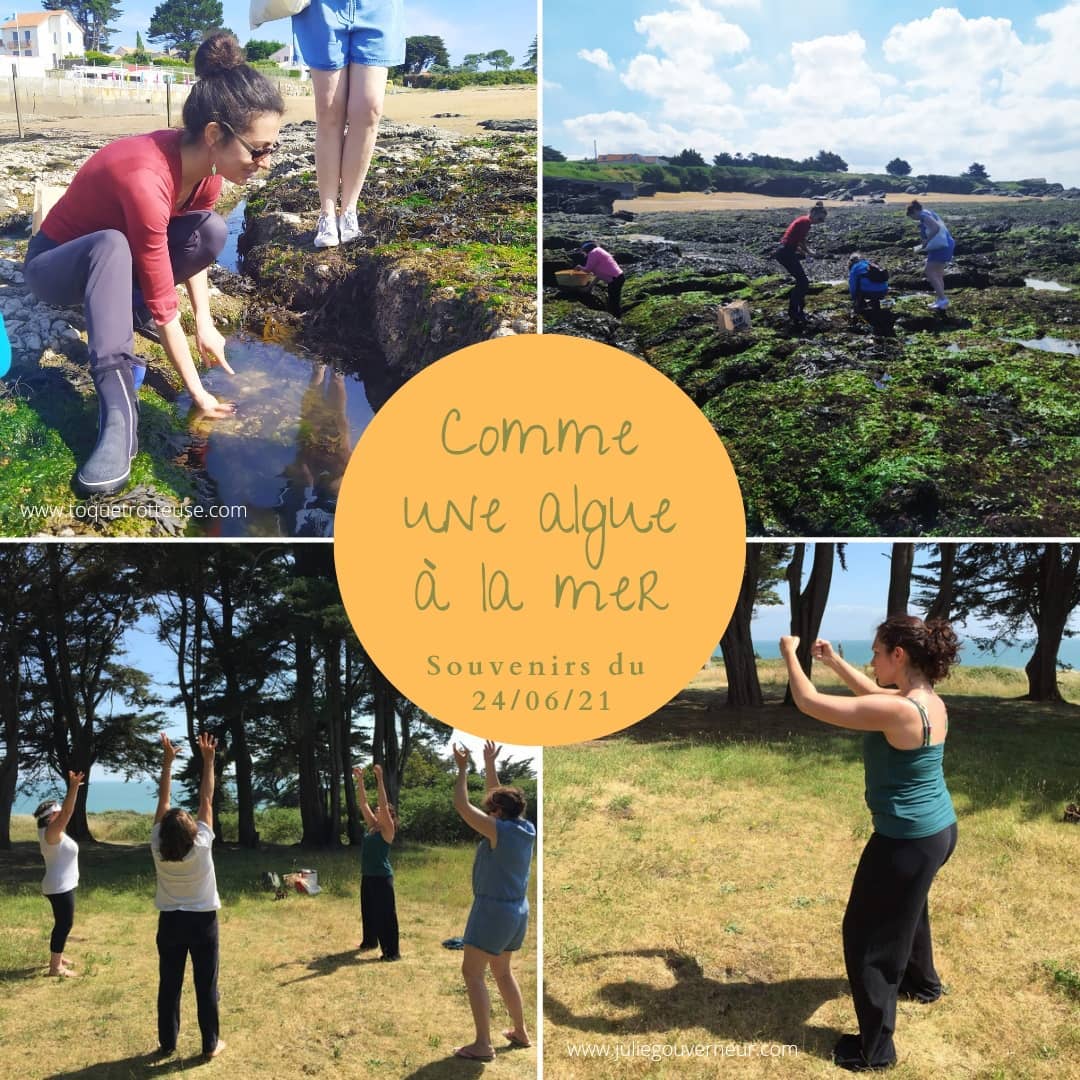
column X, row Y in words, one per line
column 663, row 1051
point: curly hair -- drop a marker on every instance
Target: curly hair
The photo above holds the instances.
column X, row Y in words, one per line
column 509, row 801
column 931, row 647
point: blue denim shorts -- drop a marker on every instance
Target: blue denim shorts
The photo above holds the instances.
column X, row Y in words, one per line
column 497, row 926
column 333, row 33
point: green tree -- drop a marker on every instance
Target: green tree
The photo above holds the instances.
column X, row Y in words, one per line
column 472, row 61
column 93, row 17
column 976, row 171
column 551, row 154
column 762, row 573
column 261, row 50
column 687, row 157
column 722, row 159
column 423, row 52
column 139, row 46
column 898, row 167
column 530, row 57
column 182, row 24
column 500, row 59
column 827, row 161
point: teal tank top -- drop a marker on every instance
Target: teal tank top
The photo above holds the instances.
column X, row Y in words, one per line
column 375, row 856
column 905, row 789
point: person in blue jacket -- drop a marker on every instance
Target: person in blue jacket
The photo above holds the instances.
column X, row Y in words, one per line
column 500, row 913
column 939, row 246
column 868, row 284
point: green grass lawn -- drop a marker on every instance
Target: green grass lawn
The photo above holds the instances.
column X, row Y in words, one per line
column 297, row 999
column 697, row 868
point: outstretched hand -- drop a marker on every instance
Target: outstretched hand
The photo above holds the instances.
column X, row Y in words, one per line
column 491, row 752
column 461, row 757
column 207, row 746
column 358, row 773
column 377, row 770
column 170, row 748
column 75, row 779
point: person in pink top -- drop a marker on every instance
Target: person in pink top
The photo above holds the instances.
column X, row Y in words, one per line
column 601, row 263
column 139, row 213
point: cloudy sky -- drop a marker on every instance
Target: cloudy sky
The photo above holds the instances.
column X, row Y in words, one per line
column 478, row 26
column 942, row 87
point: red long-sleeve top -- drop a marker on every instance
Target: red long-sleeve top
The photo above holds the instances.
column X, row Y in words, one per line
column 132, row 185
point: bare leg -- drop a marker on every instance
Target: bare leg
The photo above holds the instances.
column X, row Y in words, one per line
column 331, row 91
column 935, row 274
column 511, row 995
column 366, row 91
column 473, row 967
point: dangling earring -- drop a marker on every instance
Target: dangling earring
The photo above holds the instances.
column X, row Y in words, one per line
column 213, row 169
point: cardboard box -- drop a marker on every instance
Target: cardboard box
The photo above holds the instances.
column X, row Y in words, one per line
column 733, row 316
column 46, row 196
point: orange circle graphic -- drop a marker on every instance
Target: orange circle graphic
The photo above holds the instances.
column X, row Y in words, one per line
column 539, row 539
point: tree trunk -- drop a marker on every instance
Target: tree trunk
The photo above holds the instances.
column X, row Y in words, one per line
column 332, row 683
column 900, row 567
column 808, row 605
column 942, row 606
column 386, row 749
column 9, row 774
column 312, row 818
column 1056, row 582
column 737, row 645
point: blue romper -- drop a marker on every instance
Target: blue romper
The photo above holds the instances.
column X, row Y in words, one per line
column 500, row 912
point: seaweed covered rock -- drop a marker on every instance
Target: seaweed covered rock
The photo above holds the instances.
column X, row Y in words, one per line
column 446, row 256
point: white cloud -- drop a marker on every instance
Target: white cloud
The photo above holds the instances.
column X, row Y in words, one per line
column 692, row 29
column 598, row 57
column 830, row 75
column 622, row 132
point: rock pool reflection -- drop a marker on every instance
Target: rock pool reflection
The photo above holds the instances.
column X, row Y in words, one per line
column 283, row 455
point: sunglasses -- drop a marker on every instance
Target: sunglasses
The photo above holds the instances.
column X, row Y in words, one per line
column 256, row 153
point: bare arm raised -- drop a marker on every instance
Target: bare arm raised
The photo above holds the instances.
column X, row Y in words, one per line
column 59, row 823
column 473, row 816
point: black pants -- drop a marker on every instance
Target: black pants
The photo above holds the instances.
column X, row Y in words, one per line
column 790, row 261
column 887, row 947
column 63, row 909
column 614, row 295
column 180, row 933
column 378, row 914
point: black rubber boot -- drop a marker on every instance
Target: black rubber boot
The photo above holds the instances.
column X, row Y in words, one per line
column 108, row 467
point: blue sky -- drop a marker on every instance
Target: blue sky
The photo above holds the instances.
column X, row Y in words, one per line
column 464, row 27
column 939, row 85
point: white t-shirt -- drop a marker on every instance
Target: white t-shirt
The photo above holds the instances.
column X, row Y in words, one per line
column 61, row 864
column 190, row 884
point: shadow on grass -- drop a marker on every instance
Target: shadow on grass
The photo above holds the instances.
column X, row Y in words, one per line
column 737, row 1012
column 1001, row 752
column 138, row 1065
column 17, row 974
column 448, row 1068
column 327, row 965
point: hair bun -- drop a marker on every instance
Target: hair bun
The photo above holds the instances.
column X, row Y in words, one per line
column 219, row 53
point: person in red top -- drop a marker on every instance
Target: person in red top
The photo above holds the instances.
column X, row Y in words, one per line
column 139, row 213
column 792, row 250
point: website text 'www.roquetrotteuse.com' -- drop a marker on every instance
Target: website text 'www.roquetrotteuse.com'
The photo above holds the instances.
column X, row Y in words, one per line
column 652, row 1051
column 105, row 511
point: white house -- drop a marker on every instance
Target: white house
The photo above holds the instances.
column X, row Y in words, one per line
column 36, row 41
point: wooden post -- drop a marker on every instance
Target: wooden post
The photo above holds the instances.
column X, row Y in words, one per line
column 15, row 91
column 168, row 102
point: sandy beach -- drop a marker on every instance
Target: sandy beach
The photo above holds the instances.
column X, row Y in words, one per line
column 686, row 201
column 468, row 106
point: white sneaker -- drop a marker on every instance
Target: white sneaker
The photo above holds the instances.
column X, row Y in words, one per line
column 348, row 227
column 326, row 232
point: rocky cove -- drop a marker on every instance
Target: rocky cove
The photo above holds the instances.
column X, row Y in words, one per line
column 915, row 424
column 447, row 259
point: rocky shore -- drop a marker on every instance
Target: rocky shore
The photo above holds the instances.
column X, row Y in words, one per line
column 447, row 260
column 917, row 424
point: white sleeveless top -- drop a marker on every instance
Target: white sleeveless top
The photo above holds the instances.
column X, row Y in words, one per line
column 61, row 864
